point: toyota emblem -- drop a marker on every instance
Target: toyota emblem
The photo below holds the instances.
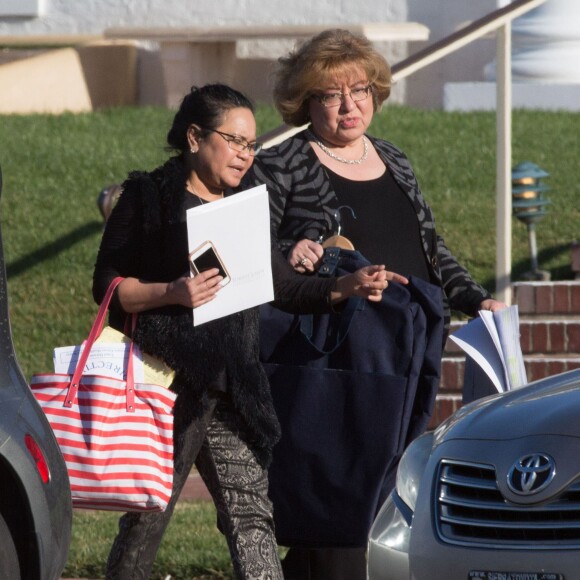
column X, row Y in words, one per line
column 531, row 473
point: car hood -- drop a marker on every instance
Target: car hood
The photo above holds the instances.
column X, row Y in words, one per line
column 553, row 403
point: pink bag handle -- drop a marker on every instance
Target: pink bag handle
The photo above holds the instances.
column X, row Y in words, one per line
column 93, row 335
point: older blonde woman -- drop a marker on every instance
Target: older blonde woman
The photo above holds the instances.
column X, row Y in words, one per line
column 334, row 170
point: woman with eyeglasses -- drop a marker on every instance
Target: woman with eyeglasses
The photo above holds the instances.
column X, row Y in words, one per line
column 334, row 178
column 224, row 419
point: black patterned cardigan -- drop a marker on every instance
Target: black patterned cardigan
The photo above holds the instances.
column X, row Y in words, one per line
column 303, row 203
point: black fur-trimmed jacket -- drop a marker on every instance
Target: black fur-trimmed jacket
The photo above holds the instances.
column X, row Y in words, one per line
column 146, row 237
column 303, row 203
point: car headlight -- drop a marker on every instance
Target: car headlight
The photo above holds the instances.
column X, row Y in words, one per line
column 411, row 468
column 391, row 529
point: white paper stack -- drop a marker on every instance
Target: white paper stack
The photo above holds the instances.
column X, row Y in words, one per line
column 239, row 228
column 493, row 341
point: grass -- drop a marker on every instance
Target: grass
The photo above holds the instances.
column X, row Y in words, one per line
column 191, row 548
column 453, row 155
column 54, row 168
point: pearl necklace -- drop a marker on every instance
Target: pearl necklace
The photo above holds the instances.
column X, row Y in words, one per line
column 342, row 159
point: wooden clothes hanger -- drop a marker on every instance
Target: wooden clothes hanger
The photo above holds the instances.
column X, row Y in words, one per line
column 338, row 241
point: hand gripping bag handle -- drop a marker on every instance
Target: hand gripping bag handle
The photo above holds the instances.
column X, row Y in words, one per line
column 86, row 351
column 330, row 262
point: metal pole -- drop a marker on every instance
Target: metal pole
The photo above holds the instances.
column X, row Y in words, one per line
column 533, row 247
column 503, row 290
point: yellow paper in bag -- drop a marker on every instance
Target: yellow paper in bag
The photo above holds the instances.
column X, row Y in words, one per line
column 155, row 371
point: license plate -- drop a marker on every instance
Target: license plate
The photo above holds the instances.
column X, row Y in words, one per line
column 489, row 575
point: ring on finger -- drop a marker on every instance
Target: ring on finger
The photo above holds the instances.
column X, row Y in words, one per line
column 303, row 261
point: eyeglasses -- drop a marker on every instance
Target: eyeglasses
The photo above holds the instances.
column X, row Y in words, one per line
column 238, row 144
column 336, row 99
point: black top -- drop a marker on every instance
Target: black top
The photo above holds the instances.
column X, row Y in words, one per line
column 385, row 228
column 122, row 253
column 146, row 237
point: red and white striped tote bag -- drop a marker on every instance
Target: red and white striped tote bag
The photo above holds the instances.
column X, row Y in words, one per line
column 116, row 436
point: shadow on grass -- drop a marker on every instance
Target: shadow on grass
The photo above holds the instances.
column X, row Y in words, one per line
column 51, row 250
column 544, row 256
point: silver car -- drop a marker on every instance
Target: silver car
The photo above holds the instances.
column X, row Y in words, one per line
column 493, row 493
column 35, row 501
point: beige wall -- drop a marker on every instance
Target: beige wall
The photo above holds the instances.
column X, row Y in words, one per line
column 87, row 77
column 70, row 18
column 425, row 89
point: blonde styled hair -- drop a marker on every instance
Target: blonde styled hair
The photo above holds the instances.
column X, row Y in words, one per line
column 330, row 54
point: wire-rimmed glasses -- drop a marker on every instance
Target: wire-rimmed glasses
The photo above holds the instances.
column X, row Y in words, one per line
column 336, row 99
column 236, row 143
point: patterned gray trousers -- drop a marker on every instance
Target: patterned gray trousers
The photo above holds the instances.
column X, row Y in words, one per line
column 238, row 486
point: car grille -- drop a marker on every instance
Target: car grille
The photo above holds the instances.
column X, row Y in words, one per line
column 470, row 510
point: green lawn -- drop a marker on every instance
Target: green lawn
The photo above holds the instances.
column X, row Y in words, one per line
column 192, row 546
column 55, row 166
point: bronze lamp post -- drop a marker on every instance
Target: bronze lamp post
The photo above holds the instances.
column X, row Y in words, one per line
column 529, row 206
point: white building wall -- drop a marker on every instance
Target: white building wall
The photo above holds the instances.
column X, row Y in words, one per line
column 545, row 57
column 425, row 89
column 92, row 16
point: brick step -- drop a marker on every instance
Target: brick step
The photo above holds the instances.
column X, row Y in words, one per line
column 546, row 298
column 449, row 398
column 445, row 405
column 538, row 366
column 548, row 336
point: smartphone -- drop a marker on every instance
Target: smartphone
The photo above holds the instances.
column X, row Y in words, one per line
column 206, row 257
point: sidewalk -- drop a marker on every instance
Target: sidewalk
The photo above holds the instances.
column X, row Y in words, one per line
column 194, row 489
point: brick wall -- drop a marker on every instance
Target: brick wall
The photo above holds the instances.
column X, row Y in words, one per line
column 549, row 337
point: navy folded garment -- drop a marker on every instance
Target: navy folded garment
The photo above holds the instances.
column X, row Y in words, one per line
column 351, row 389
